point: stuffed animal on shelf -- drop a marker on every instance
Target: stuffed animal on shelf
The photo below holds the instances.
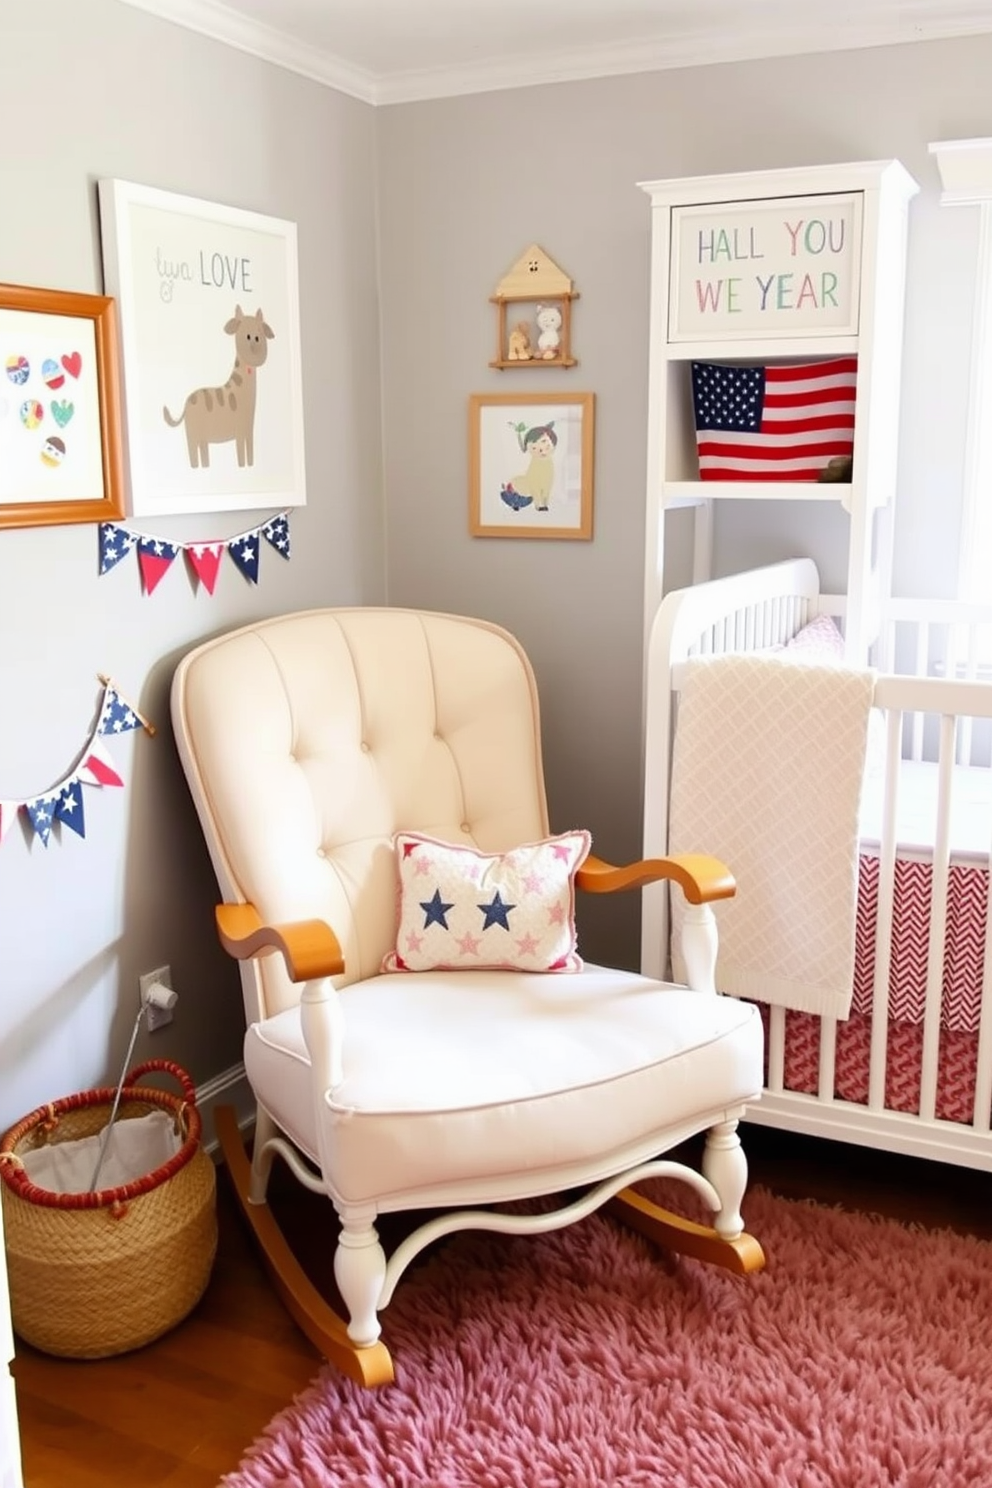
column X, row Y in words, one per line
column 548, row 319
column 518, row 348
column 838, row 469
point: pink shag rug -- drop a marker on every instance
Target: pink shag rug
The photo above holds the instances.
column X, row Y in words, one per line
column 860, row 1358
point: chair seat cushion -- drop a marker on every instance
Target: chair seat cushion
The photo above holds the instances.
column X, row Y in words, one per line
column 494, row 1075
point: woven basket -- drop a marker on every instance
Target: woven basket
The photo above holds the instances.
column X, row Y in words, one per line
column 94, row 1274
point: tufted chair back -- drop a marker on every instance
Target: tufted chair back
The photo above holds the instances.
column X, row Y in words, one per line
column 341, row 727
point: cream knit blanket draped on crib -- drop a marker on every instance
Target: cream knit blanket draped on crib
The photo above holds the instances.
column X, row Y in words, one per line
column 767, row 768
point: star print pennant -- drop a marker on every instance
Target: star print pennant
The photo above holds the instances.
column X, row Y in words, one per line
column 69, row 807
column 41, row 812
column 117, row 716
column 204, row 560
column 277, row 533
column 115, row 543
column 155, row 557
column 244, row 551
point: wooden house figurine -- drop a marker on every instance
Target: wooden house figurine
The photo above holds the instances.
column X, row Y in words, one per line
column 537, row 331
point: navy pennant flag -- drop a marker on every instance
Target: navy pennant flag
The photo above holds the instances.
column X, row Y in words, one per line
column 244, row 551
column 118, row 716
column 69, row 807
column 115, row 543
column 41, row 812
column 277, row 533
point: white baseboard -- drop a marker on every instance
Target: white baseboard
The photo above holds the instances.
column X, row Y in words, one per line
column 229, row 1088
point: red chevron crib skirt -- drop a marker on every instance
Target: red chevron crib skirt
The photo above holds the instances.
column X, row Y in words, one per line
column 960, row 1005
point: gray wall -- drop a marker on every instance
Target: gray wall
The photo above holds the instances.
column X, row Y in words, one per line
column 466, row 184
column 105, row 90
column 448, row 194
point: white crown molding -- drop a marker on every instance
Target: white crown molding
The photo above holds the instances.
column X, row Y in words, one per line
column 699, row 49
column 965, row 171
column 221, row 23
column 689, row 49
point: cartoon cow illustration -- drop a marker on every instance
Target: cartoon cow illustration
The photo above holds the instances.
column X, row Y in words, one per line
column 215, row 415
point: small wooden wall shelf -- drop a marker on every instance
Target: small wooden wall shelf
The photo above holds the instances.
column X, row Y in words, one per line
column 543, row 336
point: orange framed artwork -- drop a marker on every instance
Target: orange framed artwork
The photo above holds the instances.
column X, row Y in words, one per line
column 61, row 458
column 531, row 465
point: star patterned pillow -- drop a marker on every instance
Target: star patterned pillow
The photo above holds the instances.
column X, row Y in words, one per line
column 461, row 909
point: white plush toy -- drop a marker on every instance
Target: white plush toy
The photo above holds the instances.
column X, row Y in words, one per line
column 548, row 319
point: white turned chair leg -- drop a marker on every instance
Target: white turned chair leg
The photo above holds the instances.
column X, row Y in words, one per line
column 360, row 1272
column 261, row 1160
column 725, row 1165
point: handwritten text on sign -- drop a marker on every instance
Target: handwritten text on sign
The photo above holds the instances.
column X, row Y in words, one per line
column 785, row 267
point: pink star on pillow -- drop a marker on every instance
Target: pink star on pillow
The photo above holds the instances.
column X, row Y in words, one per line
column 527, row 944
column 468, row 943
column 556, row 914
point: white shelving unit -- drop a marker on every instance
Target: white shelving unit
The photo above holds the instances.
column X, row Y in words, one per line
column 774, row 267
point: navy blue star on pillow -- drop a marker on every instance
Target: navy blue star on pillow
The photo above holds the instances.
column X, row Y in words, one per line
column 496, row 912
column 435, row 910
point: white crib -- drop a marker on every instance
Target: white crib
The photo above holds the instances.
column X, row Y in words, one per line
column 911, row 1069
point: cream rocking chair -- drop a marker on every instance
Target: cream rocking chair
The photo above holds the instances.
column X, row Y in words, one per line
column 308, row 741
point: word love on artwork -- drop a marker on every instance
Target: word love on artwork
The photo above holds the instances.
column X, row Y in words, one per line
column 768, row 268
column 210, row 270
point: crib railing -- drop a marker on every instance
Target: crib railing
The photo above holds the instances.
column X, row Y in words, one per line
column 934, row 689
column 939, row 638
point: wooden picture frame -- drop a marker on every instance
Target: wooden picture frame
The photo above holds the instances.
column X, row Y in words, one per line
column 61, row 458
column 531, row 465
column 211, row 352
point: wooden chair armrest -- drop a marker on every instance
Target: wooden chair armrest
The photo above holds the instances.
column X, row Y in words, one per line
column 309, row 947
column 700, row 877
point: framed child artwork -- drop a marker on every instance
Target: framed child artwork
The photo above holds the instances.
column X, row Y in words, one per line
column 531, row 465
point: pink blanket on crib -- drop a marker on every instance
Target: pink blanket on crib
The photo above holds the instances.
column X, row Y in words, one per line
column 766, row 774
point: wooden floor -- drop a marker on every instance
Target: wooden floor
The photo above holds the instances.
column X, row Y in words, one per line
column 179, row 1413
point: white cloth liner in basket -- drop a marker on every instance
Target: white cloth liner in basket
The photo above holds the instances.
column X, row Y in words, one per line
column 136, row 1146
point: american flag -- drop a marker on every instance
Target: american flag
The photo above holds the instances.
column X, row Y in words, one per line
column 779, row 423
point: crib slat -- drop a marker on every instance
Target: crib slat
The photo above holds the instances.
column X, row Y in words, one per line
column 938, row 920
column 983, row 1079
column 828, row 1059
column 776, row 1049
column 885, row 915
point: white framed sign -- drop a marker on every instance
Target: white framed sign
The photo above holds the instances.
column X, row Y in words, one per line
column 208, row 301
column 788, row 266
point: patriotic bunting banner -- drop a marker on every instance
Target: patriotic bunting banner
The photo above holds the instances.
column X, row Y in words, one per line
column 62, row 803
column 156, row 555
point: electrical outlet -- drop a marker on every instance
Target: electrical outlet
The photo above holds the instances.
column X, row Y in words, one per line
column 155, row 1017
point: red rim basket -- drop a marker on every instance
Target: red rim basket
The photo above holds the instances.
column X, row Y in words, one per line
column 94, row 1274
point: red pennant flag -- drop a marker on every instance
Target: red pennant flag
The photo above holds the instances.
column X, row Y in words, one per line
column 155, row 558
column 98, row 768
column 205, row 561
